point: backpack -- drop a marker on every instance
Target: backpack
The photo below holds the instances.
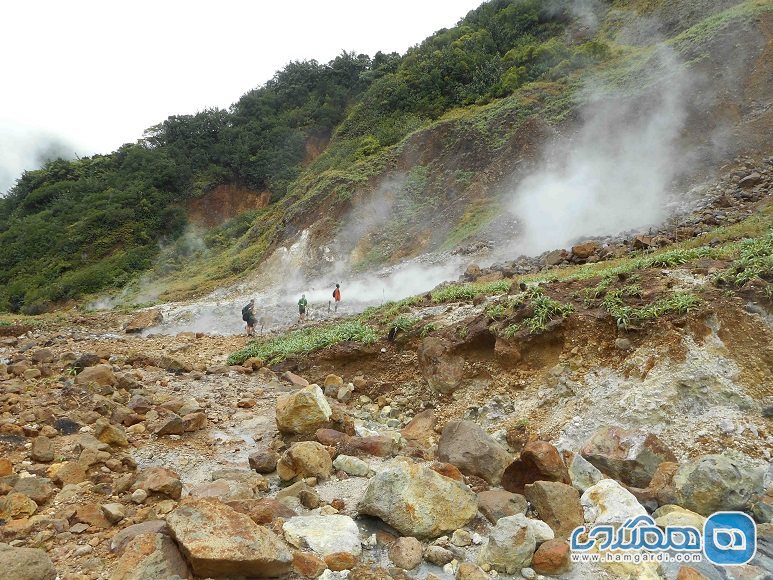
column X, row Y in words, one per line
column 334, row 293
column 246, row 313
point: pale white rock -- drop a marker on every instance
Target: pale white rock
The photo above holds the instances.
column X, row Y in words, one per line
column 542, row 532
column 324, row 534
column 608, row 502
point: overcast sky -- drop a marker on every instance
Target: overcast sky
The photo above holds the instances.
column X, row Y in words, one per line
column 87, row 76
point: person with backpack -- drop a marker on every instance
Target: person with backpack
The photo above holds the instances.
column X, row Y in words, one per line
column 302, row 304
column 248, row 315
column 337, row 296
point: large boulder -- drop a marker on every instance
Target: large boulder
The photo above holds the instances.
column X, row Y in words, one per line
column 608, row 502
column 473, row 451
column 101, row 375
column 498, row 503
column 144, row 320
column 159, row 480
column 150, row 556
column 42, row 450
column 305, row 459
column 539, row 461
column 324, row 535
column 25, row 564
column 585, row 250
column 303, row 411
column 728, row 481
column 628, row 456
column 218, row 541
column 417, row 501
column 443, row 370
column 556, row 504
column 510, row 545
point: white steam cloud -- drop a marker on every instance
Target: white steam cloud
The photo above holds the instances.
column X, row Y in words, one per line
column 614, row 174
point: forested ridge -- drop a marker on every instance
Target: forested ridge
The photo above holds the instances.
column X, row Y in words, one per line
column 74, row 228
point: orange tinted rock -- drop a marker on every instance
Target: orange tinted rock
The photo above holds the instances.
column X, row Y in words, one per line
column 338, row 561
column 448, row 470
column 551, row 558
column 539, row 461
column 308, row 565
column 690, row 573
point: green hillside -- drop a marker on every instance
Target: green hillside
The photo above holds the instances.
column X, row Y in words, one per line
column 76, row 228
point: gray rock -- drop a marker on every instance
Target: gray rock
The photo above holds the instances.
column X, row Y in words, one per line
column 628, row 456
column 510, row 546
column 351, row 465
column 467, row 446
column 728, row 481
column 582, row 473
column 324, row 534
column 42, row 450
column 25, row 564
column 417, row 501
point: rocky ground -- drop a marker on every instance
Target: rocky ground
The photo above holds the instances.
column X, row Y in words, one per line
column 451, row 449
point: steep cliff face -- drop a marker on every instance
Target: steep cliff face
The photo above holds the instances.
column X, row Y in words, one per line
column 223, row 203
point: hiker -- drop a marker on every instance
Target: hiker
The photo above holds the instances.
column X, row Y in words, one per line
column 337, row 296
column 248, row 315
column 302, row 304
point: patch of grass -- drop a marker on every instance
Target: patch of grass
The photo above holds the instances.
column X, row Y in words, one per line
column 306, row 340
column 624, row 315
column 544, row 310
column 456, row 292
column 389, row 310
column 431, row 327
column 755, row 260
column 496, row 311
column 403, row 323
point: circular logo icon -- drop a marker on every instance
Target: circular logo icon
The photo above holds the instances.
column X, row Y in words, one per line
column 729, row 538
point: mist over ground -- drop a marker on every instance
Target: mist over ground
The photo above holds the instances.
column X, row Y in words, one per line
column 614, row 173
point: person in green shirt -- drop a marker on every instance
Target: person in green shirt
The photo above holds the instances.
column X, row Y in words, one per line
column 302, row 304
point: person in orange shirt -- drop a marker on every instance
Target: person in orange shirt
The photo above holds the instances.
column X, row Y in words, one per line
column 337, row 296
